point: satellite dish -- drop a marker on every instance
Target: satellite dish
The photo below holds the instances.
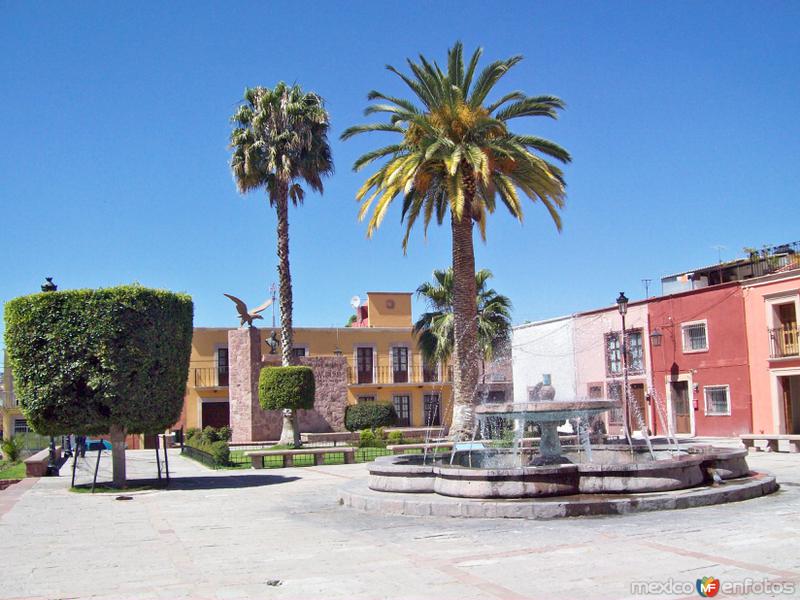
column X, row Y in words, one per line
column 355, row 302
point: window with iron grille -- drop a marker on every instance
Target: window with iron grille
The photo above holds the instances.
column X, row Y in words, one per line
column 364, row 365
column 432, row 409
column 496, row 396
column 21, row 426
column 695, row 337
column 402, row 406
column 635, row 352
column 717, row 400
column 299, row 351
column 595, row 390
column 613, row 354
column 222, row 367
column 615, row 393
column 366, row 399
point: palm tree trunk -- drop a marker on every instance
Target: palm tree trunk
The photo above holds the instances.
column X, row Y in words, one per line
column 284, row 276
column 117, row 435
column 465, row 325
column 290, row 434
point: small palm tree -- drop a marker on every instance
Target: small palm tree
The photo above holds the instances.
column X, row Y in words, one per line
column 457, row 154
column 434, row 329
column 280, row 139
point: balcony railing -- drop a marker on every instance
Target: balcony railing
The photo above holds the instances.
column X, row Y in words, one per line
column 210, row 377
column 783, row 342
column 383, row 375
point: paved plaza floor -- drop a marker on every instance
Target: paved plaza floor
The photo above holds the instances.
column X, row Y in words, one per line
column 281, row 534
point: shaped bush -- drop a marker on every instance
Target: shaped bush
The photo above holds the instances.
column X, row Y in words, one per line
column 369, row 415
column 287, row 389
column 111, row 360
column 211, row 441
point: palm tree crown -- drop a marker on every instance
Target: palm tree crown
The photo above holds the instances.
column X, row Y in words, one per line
column 456, row 150
column 435, row 331
column 280, row 137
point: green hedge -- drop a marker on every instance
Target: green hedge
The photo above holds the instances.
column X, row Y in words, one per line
column 211, row 441
column 286, row 387
column 83, row 360
column 369, row 415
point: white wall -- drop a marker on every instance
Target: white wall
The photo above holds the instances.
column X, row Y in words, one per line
column 544, row 347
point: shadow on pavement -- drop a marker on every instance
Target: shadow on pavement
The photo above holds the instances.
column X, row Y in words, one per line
column 213, row 482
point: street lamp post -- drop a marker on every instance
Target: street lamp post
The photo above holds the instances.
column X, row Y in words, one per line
column 622, row 305
column 52, row 468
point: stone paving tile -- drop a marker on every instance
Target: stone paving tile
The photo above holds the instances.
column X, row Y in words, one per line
column 236, row 530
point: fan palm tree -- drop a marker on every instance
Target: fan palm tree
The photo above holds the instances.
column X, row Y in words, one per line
column 280, row 139
column 434, row 329
column 456, row 154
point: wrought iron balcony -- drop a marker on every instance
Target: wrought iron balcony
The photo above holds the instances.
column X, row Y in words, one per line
column 383, row 375
column 210, row 377
column 783, row 342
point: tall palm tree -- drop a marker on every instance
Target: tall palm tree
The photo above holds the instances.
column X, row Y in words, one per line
column 434, row 329
column 280, row 138
column 457, row 154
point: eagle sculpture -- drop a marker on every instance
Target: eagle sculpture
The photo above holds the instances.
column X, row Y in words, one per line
column 246, row 316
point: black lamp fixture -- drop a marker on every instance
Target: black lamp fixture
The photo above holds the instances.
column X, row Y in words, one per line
column 48, row 285
column 655, row 338
column 622, row 303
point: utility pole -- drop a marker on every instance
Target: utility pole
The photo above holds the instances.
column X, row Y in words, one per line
column 646, row 283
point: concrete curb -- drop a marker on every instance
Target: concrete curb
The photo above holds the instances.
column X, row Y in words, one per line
column 357, row 495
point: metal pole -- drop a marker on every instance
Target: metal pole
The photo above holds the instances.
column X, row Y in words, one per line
column 52, row 468
column 158, row 458
column 74, row 463
column 625, row 427
column 96, row 466
column 166, row 458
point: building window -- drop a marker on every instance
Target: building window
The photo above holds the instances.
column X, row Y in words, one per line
column 496, row 396
column 613, row 354
column 400, row 364
column 615, row 393
column 717, row 400
column 430, row 372
column 366, row 399
column 695, row 336
column 595, row 390
column 364, row 365
column 402, row 406
column 299, row 351
column 432, row 410
column 21, row 426
column 222, row 367
column 635, row 352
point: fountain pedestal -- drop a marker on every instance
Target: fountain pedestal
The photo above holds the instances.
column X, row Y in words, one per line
column 549, row 446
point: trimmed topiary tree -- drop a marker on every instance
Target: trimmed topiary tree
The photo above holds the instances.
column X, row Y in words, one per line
column 287, row 389
column 111, row 360
column 369, row 415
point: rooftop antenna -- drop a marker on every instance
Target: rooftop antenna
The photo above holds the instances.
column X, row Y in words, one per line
column 719, row 248
column 646, row 283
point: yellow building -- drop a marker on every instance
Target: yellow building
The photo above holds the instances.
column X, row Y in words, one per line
column 13, row 421
column 383, row 365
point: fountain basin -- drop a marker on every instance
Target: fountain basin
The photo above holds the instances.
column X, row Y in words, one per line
column 614, row 471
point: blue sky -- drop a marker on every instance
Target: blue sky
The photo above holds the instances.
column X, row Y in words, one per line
column 682, row 121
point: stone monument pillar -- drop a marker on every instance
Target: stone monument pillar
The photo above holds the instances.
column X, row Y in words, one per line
column 244, row 356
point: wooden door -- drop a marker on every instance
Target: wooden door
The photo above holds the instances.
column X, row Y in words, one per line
column 637, row 399
column 216, row 414
column 364, row 365
column 400, row 364
column 681, row 407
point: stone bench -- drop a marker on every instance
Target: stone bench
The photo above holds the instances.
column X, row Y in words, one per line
column 749, row 440
column 332, row 437
column 257, row 456
column 401, row 448
column 36, row 465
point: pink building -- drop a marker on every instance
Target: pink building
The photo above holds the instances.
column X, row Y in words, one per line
column 700, row 364
column 597, row 342
column 772, row 304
